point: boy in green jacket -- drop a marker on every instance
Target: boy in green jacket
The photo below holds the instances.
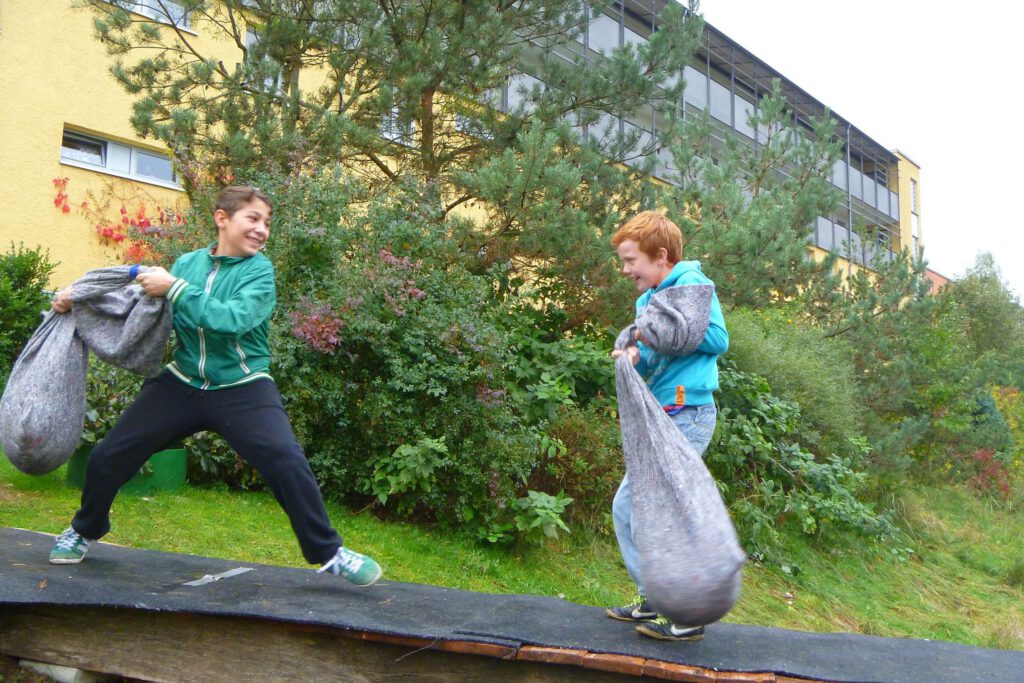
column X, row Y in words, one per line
column 650, row 247
column 222, row 297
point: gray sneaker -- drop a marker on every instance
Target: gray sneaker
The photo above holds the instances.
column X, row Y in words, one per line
column 354, row 567
column 70, row 548
column 663, row 629
column 638, row 611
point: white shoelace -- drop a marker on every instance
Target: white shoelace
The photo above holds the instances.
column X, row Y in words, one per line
column 349, row 561
column 69, row 539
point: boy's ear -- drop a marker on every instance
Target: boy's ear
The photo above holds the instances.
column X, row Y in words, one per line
column 220, row 218
column 662, row 255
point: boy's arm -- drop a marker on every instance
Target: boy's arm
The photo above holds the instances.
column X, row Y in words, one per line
column 246, row 309
column 716, row 339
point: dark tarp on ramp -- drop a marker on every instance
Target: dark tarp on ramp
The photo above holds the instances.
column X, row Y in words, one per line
column 113, row 576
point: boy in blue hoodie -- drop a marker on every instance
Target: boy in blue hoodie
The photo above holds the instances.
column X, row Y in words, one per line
column 650, row 247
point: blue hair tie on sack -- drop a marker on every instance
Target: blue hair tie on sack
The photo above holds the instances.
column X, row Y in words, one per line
column 133, row 272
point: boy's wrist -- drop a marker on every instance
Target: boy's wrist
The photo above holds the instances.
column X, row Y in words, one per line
column 174, row 291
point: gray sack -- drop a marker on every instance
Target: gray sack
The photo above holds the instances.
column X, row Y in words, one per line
column 690, row 558
column 43, row 406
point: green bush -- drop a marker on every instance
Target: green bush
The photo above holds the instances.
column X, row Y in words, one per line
column 213, row 461
column 802, row 366
column 399, row 355
column 767, row 477
column 554, row 369
column 584, row 460
column 24, row 274
column 109, row 392
column 410, row 469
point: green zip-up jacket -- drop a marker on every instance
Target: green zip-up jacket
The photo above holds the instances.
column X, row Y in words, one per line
column 222, row 307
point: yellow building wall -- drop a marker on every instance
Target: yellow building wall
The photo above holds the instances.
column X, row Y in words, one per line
column 55, row 74
column 841, row 265
column 906, row 171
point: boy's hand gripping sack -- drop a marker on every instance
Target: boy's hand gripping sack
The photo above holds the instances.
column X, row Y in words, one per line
column 43, row 406
column 690, row 558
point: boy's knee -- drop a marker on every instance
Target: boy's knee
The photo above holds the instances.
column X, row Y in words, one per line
column 282, row 459
column 102, row 457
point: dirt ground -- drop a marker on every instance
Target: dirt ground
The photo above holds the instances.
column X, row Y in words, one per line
column 10, row 672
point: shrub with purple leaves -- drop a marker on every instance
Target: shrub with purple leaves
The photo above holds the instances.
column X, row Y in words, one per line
column 319, row 325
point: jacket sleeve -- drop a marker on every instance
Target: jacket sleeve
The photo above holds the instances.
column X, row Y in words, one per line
column 716, row 339
column 250, row 305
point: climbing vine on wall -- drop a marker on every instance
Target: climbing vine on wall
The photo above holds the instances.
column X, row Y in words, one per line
column 137, row 215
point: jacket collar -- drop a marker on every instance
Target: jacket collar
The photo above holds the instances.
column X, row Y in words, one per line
column 223, row 259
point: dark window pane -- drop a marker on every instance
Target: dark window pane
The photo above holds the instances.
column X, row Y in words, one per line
column 83, row 149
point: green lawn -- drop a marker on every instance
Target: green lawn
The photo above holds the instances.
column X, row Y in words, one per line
column 962, row 583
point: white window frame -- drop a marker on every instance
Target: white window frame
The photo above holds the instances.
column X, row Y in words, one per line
column 152, row 9
column 118, row 159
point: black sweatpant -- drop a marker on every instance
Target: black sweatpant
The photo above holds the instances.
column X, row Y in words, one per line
column 250, row 417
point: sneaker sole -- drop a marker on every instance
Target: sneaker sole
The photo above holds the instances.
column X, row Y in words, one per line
column 661, row 636
column 611, row 613
column 380, row 573
column 65, row 561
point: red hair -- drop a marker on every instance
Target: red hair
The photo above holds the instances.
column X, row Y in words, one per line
column 652, row 231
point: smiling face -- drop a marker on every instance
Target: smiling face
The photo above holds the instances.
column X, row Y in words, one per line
column 244, row 232
column 646, row 272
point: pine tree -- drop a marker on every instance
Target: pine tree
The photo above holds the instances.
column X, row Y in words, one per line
column 407, row 98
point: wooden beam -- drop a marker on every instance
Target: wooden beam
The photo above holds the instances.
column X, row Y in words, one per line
column 161, row 646
column 173, row 646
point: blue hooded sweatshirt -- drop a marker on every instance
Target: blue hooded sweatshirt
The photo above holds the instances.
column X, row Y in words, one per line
column 691, row 379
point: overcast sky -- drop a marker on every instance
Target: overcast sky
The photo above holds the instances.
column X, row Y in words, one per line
column 937, row 80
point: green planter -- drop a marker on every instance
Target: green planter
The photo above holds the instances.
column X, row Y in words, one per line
column 165, row 471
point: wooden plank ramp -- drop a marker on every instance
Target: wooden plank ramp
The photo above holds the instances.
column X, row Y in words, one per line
column 159, row 646
column 154, row 616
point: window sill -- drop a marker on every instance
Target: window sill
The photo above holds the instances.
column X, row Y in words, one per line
column 126, row 176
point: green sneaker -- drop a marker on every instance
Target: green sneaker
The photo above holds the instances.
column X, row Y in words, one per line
column 663, row 629
column 70, row 548
column 354, row 567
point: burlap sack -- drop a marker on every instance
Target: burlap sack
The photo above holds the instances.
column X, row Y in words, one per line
column 43, row 405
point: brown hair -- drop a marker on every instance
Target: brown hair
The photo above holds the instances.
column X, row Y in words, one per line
column 234, row 197
column 652, row 231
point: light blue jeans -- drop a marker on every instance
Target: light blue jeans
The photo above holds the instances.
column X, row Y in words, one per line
column 697, row 424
